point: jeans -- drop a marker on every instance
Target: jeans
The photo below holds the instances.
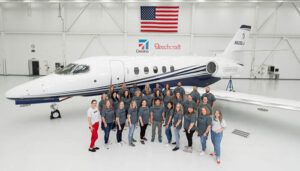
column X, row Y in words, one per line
column 143, row 131
column 177, row 136
column 216, row 139
column 169, row 133
column 107, row 131
column 189, row 137
column 157, row 124
column 119, row 132
column 130, row 132
column 203, row 139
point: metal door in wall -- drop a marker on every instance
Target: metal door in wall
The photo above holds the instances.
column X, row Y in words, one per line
column 117, row 72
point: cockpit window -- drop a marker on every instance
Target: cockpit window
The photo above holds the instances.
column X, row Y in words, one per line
column 67, row 69
column 81, row 69
column 73, row 69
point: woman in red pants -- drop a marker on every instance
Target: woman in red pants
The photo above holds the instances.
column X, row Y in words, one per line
column 93, row 120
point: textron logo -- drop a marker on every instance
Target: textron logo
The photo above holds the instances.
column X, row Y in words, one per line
column 143, row 46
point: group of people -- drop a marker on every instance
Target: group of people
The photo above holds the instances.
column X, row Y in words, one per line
column 158, row 107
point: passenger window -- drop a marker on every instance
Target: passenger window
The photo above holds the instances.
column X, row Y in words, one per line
column 164, row 69
column 172, row 68
column 155, row 69
column 136, row 70
column 146, row 70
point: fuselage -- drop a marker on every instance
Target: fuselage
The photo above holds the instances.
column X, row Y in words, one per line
column 96, row 74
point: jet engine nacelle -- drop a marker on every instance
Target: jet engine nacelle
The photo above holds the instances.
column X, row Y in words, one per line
column 223, row 68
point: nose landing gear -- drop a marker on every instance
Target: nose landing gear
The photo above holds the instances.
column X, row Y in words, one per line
column 55, row 113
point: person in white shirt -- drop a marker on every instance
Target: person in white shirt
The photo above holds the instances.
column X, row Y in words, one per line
column 93, row 115
column 218, row 126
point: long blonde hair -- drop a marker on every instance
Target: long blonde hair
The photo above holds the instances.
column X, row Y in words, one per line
column 181, row 108
column 131, row 104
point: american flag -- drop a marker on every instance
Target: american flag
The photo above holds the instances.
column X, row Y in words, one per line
column 159, row 18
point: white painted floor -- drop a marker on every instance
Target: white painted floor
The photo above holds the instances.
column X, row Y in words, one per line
column 30, row 141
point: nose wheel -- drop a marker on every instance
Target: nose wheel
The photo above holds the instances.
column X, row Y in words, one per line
column 55, row 113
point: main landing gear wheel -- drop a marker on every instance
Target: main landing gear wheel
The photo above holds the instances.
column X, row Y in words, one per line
column 55, row 113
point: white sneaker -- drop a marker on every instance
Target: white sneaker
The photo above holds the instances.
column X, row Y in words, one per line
column 167, row 145
column 120, row 143
column 202, row 153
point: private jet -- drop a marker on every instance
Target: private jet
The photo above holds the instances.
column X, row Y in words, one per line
column 94, row 75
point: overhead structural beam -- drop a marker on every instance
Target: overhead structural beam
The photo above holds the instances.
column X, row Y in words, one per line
column 269, row 17
column 78, row 16
column 87, row 46
column 269, row 55
column 112, row 18
column 102, row 45
column 293, row 50
column 296, row 8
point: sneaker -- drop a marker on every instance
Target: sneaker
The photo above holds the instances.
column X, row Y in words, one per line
column 152, row 140
column 188, row 150
column 173, row 143
column 120, row 143
column 202, row 153
column 160, row 141
column 175, row 149
column 145, row 139
column 133, row 140
column 142, row 142
column 167, row 145
column 218, row 161
column 92, row 150
column 96, row 148
column 132, row 145
column 212, row 154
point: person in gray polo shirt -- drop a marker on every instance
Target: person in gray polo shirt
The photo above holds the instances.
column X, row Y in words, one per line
column 132, row 121
column 196, row 95
column 168, row 122
column 189, row 102
column 180, row 90
column 144, row 115
column 177, row 120
column 190, row 119
column 211, row 98
column 121, row 119
column 157, row 118
column 203, row 127
column 148, row 97
column 206, row 105
column 108, row 117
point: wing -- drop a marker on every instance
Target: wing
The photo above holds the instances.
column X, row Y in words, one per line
column 252, row 99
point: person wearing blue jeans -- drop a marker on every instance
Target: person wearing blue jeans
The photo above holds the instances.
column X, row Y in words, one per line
column 132, row 121
column 168, row 121
column 218, row 126
column 108, row 117
column 177, row 120
column 203, row 127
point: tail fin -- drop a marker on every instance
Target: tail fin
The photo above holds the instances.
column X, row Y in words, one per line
column 238, row 41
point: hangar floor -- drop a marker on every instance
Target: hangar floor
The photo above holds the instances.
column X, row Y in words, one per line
column 30, row 141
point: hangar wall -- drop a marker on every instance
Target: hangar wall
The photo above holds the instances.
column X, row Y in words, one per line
column 66, row 32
